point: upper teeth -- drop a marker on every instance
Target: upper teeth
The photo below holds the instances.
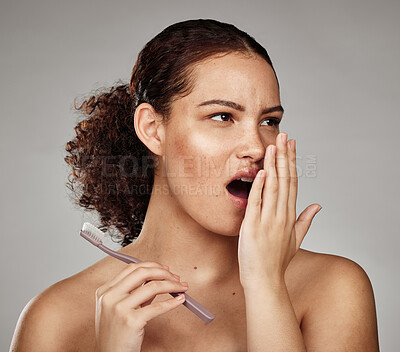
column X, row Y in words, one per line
column 246, row 179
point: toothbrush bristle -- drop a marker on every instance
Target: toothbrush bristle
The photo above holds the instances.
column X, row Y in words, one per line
column 92, row 233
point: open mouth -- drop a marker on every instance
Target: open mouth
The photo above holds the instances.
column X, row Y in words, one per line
column 239, row 188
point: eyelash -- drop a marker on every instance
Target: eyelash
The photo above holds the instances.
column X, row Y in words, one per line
column 275, row 121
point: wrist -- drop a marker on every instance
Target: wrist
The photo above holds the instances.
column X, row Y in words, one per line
column 271, row 286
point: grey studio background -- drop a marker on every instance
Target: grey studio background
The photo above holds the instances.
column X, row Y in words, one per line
column 337, row 64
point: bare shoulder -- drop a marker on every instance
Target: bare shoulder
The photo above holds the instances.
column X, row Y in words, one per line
column 318, row 263
column 329, row 275
column 341, row 313
column 56, row 317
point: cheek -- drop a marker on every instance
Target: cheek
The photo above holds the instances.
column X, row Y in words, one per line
column 195, row 166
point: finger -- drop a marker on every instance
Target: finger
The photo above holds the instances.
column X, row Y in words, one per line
column 253, row 209
column 149, row 292
column 132, row 267
column 123, row 273
column 148, row 302
column 293, row 183
column 270, row 194
column 303, row 222
column 282, row 166
column 156, row 309
column 139, row 276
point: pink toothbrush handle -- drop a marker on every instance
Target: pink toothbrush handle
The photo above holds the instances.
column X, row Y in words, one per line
column 189, row 303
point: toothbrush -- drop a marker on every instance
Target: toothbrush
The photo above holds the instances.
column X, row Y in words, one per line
column 95, row 237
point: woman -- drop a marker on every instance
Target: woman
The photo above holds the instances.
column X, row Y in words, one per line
column 158, row 159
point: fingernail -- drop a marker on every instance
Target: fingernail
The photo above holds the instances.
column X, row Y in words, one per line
column 318, row 209
column 165, row 266
column 180, row 297
column 284, row 137
column 177, row 276
column 185, row 284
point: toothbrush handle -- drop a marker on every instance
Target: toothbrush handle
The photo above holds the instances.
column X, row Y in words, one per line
column 189, row 303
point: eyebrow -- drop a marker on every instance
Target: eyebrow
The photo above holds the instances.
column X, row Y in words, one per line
column 238, row 107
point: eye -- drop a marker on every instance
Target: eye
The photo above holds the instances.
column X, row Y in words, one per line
column 275, row 122
column 221, row 114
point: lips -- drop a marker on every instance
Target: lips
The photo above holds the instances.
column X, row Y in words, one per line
column 240, row 188
column 246, row 172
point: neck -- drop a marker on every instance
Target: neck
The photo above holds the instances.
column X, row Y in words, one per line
column 172, row 237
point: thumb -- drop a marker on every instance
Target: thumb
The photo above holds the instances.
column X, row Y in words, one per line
column 303, row 222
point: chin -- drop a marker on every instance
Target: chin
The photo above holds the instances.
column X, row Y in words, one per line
column 228, row 231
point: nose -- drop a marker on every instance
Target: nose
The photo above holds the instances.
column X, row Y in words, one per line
column 251, row 146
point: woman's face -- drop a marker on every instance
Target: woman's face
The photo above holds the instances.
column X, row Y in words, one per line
column 206, row 144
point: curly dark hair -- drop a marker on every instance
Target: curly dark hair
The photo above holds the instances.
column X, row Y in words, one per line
column 112, row 170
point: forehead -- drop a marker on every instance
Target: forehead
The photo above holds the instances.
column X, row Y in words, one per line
column 243, row 79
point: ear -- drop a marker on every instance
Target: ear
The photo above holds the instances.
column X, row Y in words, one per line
column 149, row 128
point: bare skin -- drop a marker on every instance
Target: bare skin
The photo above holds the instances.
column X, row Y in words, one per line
column 197, row 235
column 63, row 315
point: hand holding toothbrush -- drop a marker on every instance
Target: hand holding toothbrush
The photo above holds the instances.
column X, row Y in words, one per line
column 124, row 305
column 270, row 235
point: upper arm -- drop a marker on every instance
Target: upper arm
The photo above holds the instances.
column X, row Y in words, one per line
column 39, row 327
column 341, row 316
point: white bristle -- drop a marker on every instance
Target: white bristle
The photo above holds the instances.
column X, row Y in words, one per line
column 93, row 232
